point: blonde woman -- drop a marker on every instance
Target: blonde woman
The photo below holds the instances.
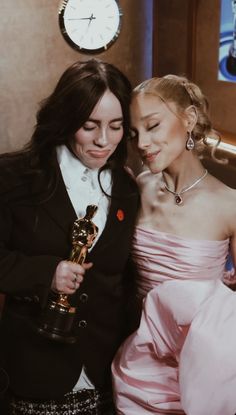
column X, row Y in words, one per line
column 181, row 360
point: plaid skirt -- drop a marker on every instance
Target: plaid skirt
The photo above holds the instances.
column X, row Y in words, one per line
column 84, row 402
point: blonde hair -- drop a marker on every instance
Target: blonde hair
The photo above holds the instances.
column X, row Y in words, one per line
column 183, row 93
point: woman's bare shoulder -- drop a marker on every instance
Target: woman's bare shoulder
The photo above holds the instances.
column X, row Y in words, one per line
column 217, row 184
column 224, row 198
column 222, row 190
column 230, row 197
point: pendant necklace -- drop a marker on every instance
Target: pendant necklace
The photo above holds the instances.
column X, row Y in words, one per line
column 177, row 195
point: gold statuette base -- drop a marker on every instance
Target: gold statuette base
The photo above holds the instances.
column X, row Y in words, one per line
column 57, row 321
column 58, row 317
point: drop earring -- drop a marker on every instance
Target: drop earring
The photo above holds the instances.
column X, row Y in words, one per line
column 190, row 144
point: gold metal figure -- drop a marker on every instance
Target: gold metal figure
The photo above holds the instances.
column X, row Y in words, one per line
column 57, row 319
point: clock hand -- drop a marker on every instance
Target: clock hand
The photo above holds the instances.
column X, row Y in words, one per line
column 81, row 18
column 92, row 17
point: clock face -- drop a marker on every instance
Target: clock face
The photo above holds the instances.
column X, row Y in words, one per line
column 90, row 25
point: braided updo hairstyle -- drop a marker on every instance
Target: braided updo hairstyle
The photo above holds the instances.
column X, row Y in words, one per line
column 183, row 93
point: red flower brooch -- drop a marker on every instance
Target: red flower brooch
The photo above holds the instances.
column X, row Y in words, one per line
column 120, row 215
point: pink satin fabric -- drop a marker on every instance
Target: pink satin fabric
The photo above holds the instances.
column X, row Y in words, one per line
column 182, row 357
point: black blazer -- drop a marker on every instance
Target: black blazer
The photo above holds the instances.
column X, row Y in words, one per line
column 34, row 238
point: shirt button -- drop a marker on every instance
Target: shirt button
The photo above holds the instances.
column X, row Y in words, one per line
column 83, row 298
column 84, row 178
column 83, row 324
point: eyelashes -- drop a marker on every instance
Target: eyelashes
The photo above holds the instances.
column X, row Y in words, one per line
column 134, row 133
column 153, row 126
column 85, row 128
column 112, row 127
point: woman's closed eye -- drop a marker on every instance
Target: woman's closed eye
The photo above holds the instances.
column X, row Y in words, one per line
column 89, row 126
column 153, row 126
column 116, row 126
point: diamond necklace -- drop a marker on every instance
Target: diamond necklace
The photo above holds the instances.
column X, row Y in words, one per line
column 177, row 195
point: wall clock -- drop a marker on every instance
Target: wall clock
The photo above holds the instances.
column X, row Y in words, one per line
column 90, row 26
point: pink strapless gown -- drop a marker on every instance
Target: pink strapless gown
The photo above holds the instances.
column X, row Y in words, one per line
column 182, row 359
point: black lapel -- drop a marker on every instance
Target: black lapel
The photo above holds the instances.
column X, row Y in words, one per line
column 61, row 211
column 120, row 203
column 60, row 208
column 58, row 205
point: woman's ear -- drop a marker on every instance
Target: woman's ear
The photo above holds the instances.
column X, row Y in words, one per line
column 191, row 117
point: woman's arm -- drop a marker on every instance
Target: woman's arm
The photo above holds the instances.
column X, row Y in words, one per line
column 230, row 268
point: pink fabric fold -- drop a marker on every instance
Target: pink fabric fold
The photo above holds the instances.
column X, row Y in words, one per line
column 175, row 363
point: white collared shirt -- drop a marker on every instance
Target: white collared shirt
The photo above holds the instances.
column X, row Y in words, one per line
column 83, row 189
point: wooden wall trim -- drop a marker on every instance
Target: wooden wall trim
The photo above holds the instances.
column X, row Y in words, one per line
column 163, row 22
column 155, row 39
column 192, row 38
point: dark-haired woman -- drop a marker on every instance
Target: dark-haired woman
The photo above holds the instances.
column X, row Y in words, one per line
column 76, row 158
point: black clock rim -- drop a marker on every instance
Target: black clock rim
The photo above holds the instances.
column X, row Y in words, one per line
column 77, row 47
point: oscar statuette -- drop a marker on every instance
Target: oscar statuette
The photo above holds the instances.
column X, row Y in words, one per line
column 57, row 318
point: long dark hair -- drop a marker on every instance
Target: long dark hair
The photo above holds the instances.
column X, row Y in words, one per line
column 70, row 105
column 66, row 110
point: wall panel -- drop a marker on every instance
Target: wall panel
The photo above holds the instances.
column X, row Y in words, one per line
column 34, row 54
column 221, row 94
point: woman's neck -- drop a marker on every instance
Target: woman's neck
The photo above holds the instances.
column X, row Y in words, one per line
column 179, row 177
